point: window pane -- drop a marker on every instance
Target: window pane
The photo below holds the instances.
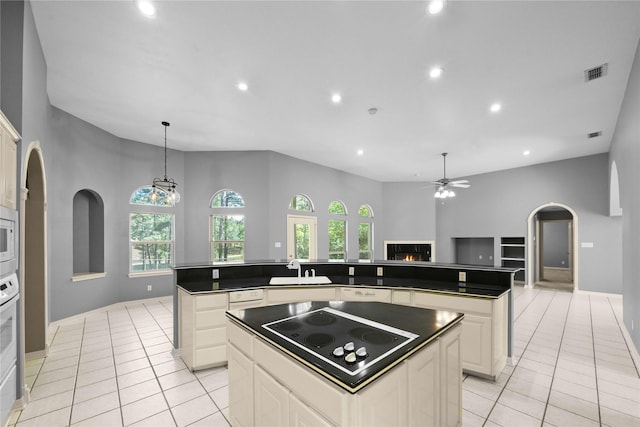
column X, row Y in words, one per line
column 364, row 240
column 337, row 208
column 302, row 241
column 227, row 199
column 146, row 226
column 300, row 202
column 337, row 239
column 364, row 211
column 225, row 251
column 150, row 256
column 228, row 227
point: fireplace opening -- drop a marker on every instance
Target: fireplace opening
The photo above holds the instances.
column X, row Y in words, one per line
column 408, row 251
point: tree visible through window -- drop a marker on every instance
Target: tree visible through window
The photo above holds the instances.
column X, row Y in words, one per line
column 365, row 234
column 300, row 202
column 337, row 232
column 151, row 241
column 227, row 230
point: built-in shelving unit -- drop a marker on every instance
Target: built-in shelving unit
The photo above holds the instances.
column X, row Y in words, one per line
column 512, row 255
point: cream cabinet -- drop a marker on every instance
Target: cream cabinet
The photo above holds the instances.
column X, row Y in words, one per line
column 484, row 329
column 203, row 332
column 423, row 390
column 8, row 163
column 361, row 293
column 299, row 294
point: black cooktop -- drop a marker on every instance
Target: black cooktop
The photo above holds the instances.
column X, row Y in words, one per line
column 348, row 342
column 312, row 331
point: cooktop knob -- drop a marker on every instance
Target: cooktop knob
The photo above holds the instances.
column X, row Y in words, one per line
column 349, row 346
column 350, row 358
column 338, row 352
column 361, row 352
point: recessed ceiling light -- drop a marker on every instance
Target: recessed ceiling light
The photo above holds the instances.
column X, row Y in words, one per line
column 147, row 8
column 336, row 98
column 526, row 152
column 242, row 86
column 435, row 72
column 435, row 6
column 360, row 152
column 495, row 107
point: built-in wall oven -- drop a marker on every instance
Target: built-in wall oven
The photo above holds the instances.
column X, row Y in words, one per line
column 8, row 241
column 9, row 295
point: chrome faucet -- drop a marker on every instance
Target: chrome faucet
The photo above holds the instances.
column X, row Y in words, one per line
column 295, row 264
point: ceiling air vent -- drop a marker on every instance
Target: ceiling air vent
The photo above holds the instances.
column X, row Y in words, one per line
column 594, row 134
column 595, row 73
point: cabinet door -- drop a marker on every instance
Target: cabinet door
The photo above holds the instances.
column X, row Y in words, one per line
column 301, row 415
column 384, row 402
column 450, row 379
column 9, row 164
column 240, row 388
column 271, row 400
column 424, row 387
column 401, row 297
column 477, row 344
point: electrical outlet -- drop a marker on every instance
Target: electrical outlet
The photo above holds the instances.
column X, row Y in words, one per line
column 352, row 271
column 148, row 287
column 379, row 271
column 632, row 327
column 277, row 244
column 215, row 273
column 462, row 276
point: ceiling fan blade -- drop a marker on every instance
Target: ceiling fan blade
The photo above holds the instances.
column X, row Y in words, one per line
column 460, row 181
column 460, row 185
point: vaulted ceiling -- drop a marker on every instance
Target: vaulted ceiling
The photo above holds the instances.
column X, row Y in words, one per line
column 125, row 72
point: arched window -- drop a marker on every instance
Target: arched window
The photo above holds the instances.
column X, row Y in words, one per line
column 226, row 228
column 300, row 202
column 227, row 199
column 88, row 235
column 365, row 233
column 337, row 231
column 146, row 196
column 151, row 232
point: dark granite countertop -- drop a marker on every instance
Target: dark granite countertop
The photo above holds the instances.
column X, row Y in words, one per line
column 427, row 324
column 470, row 289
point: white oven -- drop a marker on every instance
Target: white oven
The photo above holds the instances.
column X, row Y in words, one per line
column 8, row 241
column 9, row 295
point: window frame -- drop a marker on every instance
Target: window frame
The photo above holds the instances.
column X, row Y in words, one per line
column 337, row 218
column 366, row 220
column 224, row 212
column 154, row 272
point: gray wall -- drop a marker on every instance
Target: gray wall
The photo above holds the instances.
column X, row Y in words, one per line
column 581, row 184
column 474, row 250
column 555, row 244
column 625, row 151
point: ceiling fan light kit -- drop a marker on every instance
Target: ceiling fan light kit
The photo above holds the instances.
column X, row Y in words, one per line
column 444, row 184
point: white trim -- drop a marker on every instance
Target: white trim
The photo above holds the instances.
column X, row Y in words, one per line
column 530, row 273
column 81, row 277
column 149, row 273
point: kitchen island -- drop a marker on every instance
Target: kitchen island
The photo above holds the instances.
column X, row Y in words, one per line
column 344, row 363
column 204, row 292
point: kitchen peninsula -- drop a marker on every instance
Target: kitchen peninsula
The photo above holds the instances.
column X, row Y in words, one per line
column 204, row 292
column 344, row 363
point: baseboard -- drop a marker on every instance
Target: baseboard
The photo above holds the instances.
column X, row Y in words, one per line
column 105, row 308
column 598, row 294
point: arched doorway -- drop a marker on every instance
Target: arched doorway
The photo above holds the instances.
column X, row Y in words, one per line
column 552, row 251
column 33, row 244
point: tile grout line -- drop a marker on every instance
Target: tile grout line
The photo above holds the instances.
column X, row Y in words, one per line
column 519, row 359
column 623, row 337
column 75, row 382
column 151, row 365
column 595, row 361
column 113, row 355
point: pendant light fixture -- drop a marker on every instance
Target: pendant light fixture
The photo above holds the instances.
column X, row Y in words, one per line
column 165, row 189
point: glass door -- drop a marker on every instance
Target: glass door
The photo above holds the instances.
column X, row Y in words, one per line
column 302, row 237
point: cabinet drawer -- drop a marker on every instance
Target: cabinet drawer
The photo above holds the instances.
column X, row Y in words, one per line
column 210, row 319
column 401, row 297
column 241, row 338
column 204, row 302
column 211, row 337
column 301, row 294
column 446, row 302
column 365, row 294
column 210, row 356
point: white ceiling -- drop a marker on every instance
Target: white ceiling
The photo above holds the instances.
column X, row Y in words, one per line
column 125, row 73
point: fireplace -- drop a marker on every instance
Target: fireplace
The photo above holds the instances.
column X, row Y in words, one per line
column 409, row 250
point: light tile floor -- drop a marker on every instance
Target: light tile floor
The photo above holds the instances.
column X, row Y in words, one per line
column 572, row 367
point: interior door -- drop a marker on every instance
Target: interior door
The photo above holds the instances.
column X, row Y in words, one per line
column 302, row 234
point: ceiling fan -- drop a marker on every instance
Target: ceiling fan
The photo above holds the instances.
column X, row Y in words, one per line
column 444, row 184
